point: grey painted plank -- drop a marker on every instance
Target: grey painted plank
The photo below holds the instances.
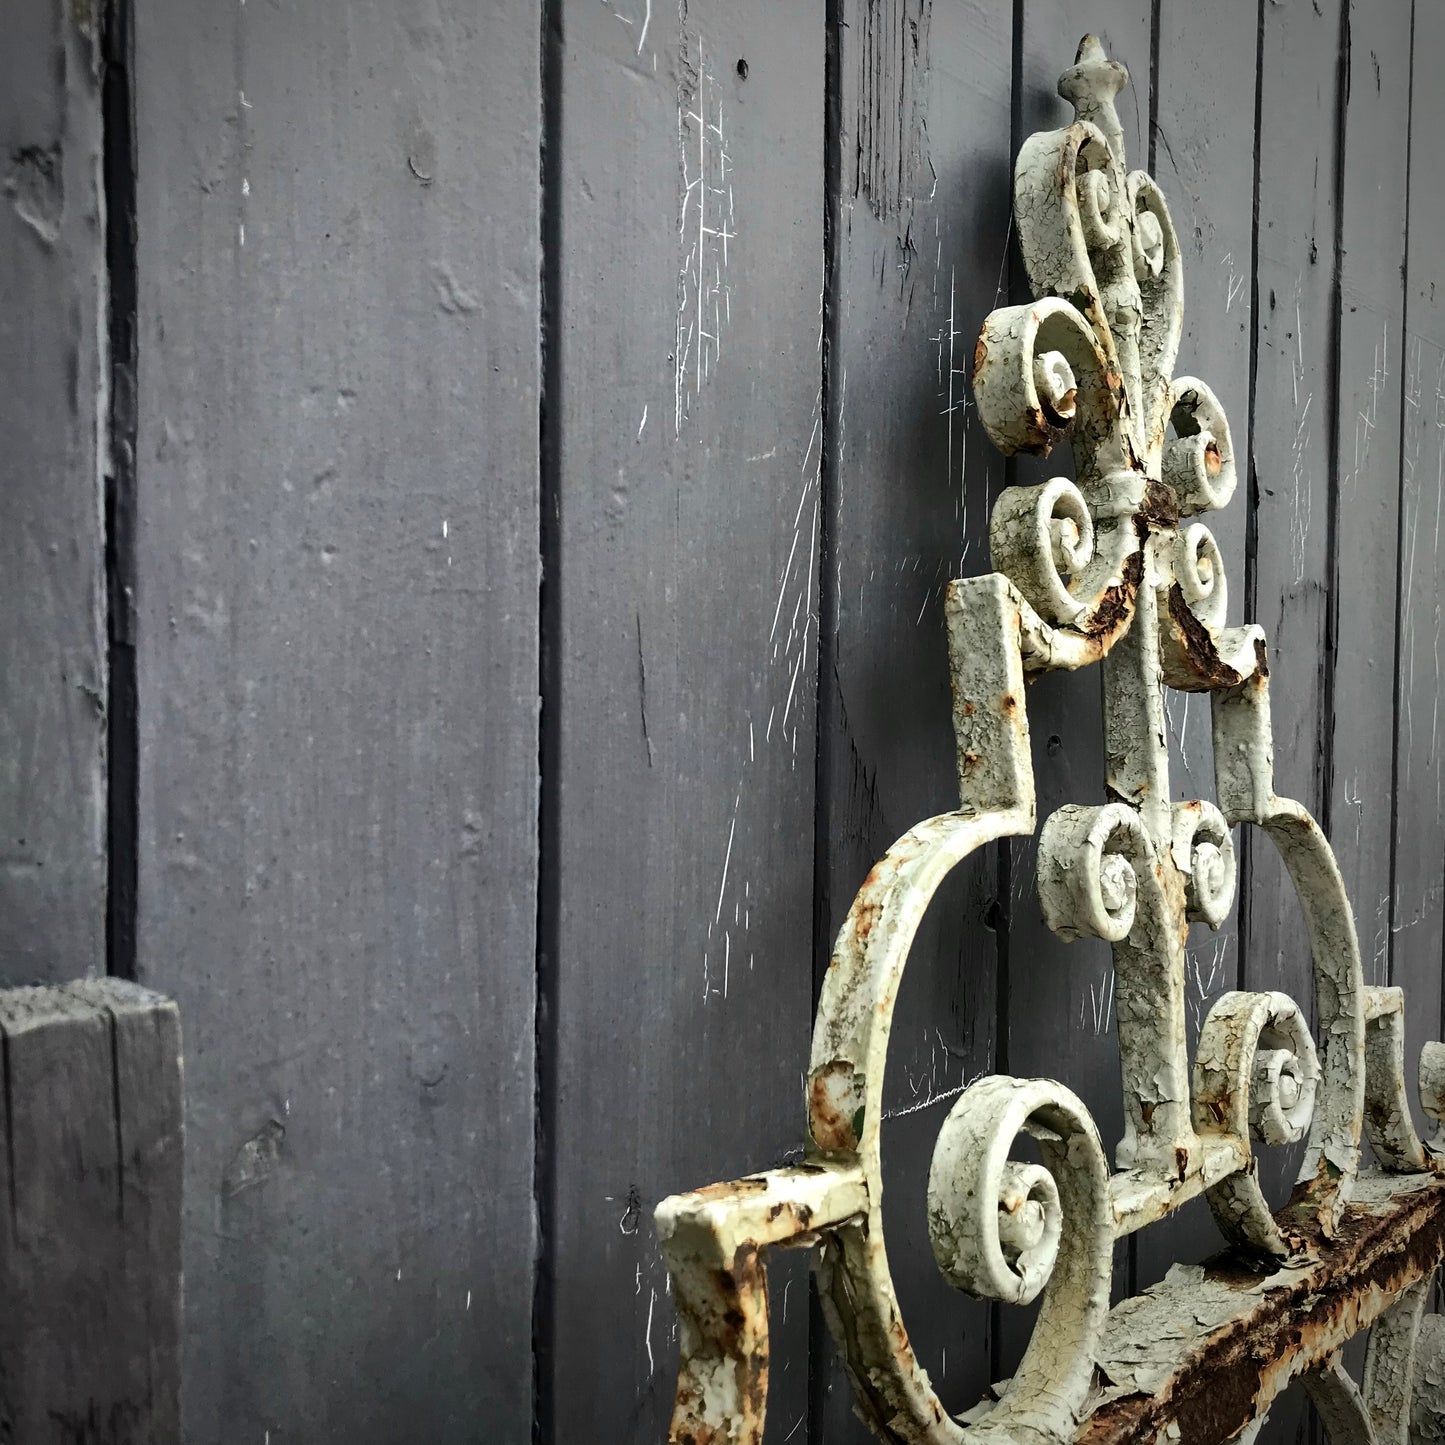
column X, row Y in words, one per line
column 89, row 1256
column 690, row 205
column 338, row 557
column 1293, row 423
column 1372, row 234
column 52, row 578
column 922, row 260
column 1419, row 909
column 1204, row 162
column 1060, row 996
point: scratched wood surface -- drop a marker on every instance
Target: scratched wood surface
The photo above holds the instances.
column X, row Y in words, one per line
column 1289, row 585
column 1366, row 523
column 1371, row 318
column 1418, row 909
column 52, row 574
column 338, row 554
column 921, row 258
column 689, row 448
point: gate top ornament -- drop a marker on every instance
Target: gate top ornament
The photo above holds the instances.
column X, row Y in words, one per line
column 1102, row 570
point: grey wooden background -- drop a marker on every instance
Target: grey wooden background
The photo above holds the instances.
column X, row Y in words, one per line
column 479, row 486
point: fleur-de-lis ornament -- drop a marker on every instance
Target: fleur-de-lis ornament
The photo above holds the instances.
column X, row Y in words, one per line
column 1107, row 569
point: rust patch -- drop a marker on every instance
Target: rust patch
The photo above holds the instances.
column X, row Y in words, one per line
column 1116, row 606
column 729, row 1309
column 1196, row 646
column 799, row 1215
column 1160, row 507
column 1043, row 434
column 835, row 1107
column 1233, row 1373
column 1059, row 417
column 864, row 917
column 730, row 1189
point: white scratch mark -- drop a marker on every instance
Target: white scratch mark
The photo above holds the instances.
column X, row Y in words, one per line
column 727, row 858
column 926, row 1103
column 643, row 422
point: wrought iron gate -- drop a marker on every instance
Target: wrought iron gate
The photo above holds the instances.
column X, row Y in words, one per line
column 1104, row 571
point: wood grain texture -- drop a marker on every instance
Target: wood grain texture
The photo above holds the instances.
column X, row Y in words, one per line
column 690, row 207
column 916, row 476
column 1294, row 407
column 1418, row 909
column 91, row 1183
column 1294, row 412
column 52, row 568
column 338, row 549
column 1368, row 426
column 1203, row 143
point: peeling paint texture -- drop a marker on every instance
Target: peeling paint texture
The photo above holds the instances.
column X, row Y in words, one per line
column 1104, row 571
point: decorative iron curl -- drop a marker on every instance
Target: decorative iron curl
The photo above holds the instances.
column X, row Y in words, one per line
column 1203, row 851
column 1255, row 1074
column 1006, row 1230
column 1199, row 461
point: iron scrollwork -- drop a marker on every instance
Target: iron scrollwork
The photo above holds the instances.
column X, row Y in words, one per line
column 1107, row 570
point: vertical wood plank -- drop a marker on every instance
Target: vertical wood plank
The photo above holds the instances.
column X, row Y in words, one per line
column 1203, row 147
column 690, row 432
column 52, row 568
column 146, row 1051
column 1294, row 421
column 1294, row 425
column 1060, row 996
column 338, row 219
column 89, row 1251
column 922, row 260
column 1371, row 301
column 1418, row 910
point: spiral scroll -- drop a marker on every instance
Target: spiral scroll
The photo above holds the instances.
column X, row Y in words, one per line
column 1255, row 1073
column 1007, row 1230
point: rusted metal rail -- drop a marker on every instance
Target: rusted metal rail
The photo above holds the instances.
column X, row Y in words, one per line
column 1108, row 570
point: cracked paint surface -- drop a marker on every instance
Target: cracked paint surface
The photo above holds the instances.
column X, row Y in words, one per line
column 1103, row 571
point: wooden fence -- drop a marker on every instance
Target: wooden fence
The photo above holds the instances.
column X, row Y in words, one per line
column 479, row 486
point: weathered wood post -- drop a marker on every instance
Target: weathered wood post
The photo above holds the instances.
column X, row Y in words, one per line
column 90, row 1186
